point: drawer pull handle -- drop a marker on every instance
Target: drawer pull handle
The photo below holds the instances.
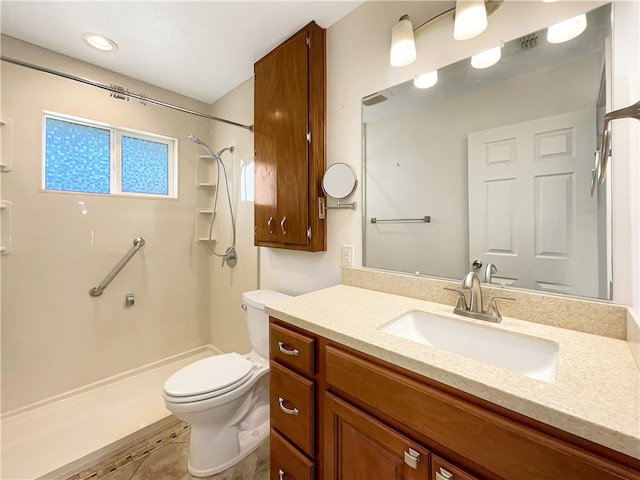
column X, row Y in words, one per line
column 411, row 458
column 286, row 351
column 444, row 474
column 270, row 224
column 288, row 411
column 280, row 474
column 284, row 230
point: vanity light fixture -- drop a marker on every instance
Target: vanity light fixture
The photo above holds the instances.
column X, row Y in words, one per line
column 567, row 29
column 426, row 80
column 100, row 42
column 470, row 19
column 403, row 45
column 487, row 58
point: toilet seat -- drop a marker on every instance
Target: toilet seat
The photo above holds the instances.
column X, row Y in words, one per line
column 208, row 378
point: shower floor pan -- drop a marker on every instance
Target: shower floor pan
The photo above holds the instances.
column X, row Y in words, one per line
column 62, row 437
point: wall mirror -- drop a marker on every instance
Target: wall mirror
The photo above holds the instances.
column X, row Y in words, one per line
column 500, row 161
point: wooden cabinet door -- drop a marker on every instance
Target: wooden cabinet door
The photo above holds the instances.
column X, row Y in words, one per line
column 281, row 126
column 358, row 446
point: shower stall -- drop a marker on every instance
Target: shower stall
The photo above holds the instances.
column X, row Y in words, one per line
column 82, row 374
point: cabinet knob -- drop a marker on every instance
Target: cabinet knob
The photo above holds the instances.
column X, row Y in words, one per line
column 288, row 411
column 280, row 474
column 270, row 224
column 284, row 230
column 294, row 353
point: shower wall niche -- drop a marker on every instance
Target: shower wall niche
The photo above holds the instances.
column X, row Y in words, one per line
column 207, row 181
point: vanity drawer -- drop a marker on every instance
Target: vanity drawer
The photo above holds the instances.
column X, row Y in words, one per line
column 292, row 349
column 292, row 407
column 443, row 470
column 287, row 462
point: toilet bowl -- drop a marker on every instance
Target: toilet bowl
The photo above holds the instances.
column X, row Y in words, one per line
column 225, row 398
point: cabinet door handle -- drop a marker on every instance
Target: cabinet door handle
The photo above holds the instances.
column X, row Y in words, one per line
column 270, row 224
column 288, row 411
column 444, row 474
column 411, row 458
column 280, row 474
column 294, row 353
column 284, row 230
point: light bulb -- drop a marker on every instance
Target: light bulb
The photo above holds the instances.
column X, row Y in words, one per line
column 426, row 80
column 487, row 58
column 470, row 19
column 567, row 29
column 403, row 47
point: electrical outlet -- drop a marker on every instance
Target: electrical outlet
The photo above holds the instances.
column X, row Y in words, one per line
column 347, row 255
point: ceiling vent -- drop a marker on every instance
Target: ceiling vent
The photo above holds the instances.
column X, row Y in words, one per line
column 376, row 98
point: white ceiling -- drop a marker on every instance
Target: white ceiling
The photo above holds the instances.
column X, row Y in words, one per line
column 201, row 49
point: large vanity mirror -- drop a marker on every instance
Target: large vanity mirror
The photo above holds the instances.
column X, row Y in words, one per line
column 499, row 159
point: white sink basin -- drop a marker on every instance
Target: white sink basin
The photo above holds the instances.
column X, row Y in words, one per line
column 532, row 357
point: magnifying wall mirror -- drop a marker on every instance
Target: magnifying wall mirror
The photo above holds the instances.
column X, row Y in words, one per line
column 339, row 182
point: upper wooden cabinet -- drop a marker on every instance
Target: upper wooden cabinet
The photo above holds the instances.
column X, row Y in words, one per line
column 289, row 140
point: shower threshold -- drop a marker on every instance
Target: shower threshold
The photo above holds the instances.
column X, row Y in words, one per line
column 60, row 437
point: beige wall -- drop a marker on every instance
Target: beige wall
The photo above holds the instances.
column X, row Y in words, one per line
column 55, row 337
column 228, row 328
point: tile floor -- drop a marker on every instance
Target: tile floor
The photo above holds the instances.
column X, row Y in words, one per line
column 164, row 457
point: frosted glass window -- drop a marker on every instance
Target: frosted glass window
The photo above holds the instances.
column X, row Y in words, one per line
column 84, row 156
column 77, row 157
column 145, row 166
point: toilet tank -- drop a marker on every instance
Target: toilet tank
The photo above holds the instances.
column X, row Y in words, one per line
column 256, row 318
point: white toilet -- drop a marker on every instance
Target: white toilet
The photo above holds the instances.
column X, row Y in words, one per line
column 225, row 397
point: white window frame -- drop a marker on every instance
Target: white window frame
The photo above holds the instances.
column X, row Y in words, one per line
column 115, row 155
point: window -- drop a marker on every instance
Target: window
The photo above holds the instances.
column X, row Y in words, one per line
column 85, row 156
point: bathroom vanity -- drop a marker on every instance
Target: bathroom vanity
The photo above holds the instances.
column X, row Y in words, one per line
column 349, row 400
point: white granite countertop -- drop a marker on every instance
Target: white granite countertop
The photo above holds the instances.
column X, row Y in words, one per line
column 596, row 394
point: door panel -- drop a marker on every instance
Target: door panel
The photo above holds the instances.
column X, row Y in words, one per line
column 358, row 446
column 281, row 126
column 530, row 210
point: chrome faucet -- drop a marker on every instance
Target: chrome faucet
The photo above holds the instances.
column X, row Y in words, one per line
column 475, row 308
column 472, row 282
column 489, row 270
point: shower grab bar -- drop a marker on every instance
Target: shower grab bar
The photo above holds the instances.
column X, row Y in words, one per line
column 425, row 219
column 138, row 243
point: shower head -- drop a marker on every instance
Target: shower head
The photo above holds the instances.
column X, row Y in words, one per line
column 195, row 139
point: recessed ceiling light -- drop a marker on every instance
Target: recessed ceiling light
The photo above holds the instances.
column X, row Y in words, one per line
column 100, row 42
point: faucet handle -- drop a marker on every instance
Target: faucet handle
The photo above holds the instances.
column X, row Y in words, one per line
column 462, row 302
column 492, row 308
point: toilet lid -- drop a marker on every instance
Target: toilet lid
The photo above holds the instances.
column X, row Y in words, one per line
column 209, row 375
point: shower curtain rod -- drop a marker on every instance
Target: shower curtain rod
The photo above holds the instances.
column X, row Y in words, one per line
column 119, row 92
